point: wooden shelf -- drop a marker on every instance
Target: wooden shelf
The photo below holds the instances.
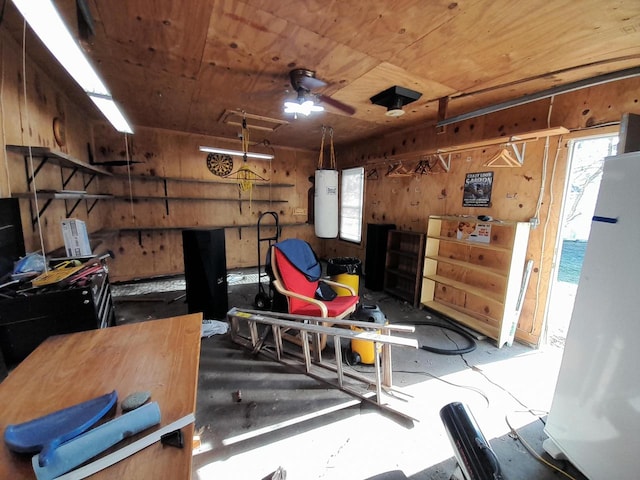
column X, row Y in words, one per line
column 400, row 252
column 62, row 195
column 202, row 199
column 468, row 243
column 461, row 218
column 399, row 293
column 50, row 196
column 476, row 282
column 259, row 183
column 471, row 266
column 478, row 292
column 58, row 158
column 407, row 275
column 143, row 228
column 463, row 318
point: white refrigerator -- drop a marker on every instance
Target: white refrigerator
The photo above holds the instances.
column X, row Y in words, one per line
column 595, row 415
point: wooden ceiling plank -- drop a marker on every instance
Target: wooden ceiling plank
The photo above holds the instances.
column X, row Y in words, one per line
column 492, row 40
column 161, row 35
column 180, row 65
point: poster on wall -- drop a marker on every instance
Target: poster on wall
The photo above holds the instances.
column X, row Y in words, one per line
column 474, row 232
column 477, row 189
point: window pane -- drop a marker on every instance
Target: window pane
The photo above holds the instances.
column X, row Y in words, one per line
column 352, row 192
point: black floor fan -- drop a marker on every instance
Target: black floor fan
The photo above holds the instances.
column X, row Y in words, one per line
column 476, row 459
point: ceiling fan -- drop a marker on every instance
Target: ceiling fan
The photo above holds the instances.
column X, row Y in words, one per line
column 304, row 82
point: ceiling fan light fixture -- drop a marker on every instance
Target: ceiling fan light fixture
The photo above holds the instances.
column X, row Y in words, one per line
column 304, row 108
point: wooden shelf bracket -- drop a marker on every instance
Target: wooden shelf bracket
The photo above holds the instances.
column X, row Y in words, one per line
column 446, row 164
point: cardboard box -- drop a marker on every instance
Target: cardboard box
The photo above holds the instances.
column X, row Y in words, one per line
column 76, row 240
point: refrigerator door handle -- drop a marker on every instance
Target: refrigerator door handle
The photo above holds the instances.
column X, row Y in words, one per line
column 597, row 218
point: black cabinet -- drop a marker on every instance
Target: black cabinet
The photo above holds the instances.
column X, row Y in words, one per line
column 205, row 272
column 26, row 320
column 376, row 252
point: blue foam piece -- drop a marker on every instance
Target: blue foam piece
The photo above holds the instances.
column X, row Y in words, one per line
column 49, row 431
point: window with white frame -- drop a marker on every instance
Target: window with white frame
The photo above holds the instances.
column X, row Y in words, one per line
column 351, row 198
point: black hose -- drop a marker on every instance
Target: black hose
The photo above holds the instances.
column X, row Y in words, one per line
column 457, row 351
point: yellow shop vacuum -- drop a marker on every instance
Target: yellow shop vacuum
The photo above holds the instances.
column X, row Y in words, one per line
column 365, row 349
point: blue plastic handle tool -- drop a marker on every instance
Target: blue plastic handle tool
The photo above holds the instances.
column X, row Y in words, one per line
column 78, row 450
column 50, row 430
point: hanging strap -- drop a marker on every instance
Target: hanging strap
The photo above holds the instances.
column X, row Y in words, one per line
column 332, row 152
column 321, row 158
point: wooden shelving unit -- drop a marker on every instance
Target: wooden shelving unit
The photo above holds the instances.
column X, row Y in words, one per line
column 72, row 199
column 230, row 182
column 403, row 266
column 475, row 277
column 222, row 197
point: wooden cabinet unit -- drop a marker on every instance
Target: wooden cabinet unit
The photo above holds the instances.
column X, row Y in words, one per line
column 403, row 267
column 474, row 275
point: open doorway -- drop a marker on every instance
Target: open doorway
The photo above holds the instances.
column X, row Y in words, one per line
column 586, row 159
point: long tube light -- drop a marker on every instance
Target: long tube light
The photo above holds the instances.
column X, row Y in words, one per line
column 110, row 110
column 45, row 21
column 237, row 153
column 533, row 97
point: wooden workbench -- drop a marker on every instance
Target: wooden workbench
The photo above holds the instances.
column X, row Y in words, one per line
column 160, row 356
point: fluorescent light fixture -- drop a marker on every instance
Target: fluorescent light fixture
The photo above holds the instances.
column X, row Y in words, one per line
column 305, row 108
column 110, row 110
column 237, row 153
column 45, row 21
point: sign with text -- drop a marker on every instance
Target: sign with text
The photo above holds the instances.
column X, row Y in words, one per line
column 477, row 189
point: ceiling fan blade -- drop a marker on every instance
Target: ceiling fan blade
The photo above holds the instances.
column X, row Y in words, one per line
column 311, row 83
column 348, row 109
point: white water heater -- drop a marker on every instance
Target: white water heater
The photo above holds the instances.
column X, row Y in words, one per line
column 325, row 204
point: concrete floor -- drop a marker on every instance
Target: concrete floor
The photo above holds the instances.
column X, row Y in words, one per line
column 278, row 423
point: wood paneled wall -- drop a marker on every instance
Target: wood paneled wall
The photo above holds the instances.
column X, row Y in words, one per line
column 28, row 120
column 408, row 201
column 152, row 243
column 139, row 253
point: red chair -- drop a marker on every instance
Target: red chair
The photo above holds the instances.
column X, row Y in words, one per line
column 300, row 292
